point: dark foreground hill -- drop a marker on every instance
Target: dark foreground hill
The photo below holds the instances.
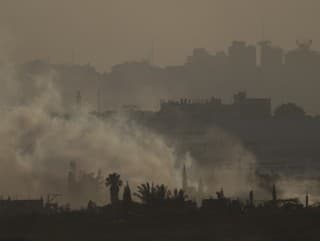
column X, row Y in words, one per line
column 164, row 225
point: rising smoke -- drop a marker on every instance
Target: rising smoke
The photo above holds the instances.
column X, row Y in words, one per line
column 36, row 146
column 231, row 166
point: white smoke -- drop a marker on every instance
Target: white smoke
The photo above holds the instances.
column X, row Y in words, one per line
column 298, row 187
column 233, row 167
column 36, row 148
column 228, row 165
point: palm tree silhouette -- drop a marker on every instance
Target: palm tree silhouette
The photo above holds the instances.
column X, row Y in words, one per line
column 145, row 193
column 114, row 181
column 179, row 196
column 152, row 195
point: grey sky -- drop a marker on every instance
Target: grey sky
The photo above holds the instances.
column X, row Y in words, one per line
column 106, row 32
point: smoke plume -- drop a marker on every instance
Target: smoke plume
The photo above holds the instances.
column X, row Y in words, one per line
column 39, row 137
column 37, row 143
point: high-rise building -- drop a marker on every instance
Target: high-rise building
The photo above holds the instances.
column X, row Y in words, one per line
column 241, row 55
column 270, row 57
column 303, row 57
column 199, row 55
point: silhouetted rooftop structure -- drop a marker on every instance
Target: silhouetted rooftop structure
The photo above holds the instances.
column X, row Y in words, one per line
column 271, row 57
column 302, row 57
column 242, row 107
column 242, row 55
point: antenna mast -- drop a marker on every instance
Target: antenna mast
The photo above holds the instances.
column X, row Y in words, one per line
column 152, row 52
column 98, row 101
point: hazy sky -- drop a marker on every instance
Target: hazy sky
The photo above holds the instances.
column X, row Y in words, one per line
column 106, row 32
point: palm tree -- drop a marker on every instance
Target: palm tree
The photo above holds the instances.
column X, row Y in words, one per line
column 152, row 195
column 145, row 193
column 179, row 196
column 162, row 193
column 114, row 181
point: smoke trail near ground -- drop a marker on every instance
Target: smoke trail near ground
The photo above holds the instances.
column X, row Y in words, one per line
column 297, row 187
column 235, row 168
column 36, row 147
column 231, row 166
column 37, row 143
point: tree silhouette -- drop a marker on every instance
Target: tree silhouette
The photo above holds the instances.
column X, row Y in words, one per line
column 127, row 195
column 220, row 194
column 179, row 197
column 114, row 182
column 251, row 201
column 152, row 195
column 161, row 193
column 145, row 193
column 289, row 111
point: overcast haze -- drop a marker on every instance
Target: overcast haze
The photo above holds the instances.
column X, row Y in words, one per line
column 112, row 31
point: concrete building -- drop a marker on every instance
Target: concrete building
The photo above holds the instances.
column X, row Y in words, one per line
column 213, row 108
column 271, row 58
column 242, row 55
column 303, row 57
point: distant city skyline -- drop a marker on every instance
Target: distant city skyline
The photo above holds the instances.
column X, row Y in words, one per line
column 110, row 32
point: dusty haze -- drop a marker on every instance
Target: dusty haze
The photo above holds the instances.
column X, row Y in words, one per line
column 36, row 149
column 112, row 31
